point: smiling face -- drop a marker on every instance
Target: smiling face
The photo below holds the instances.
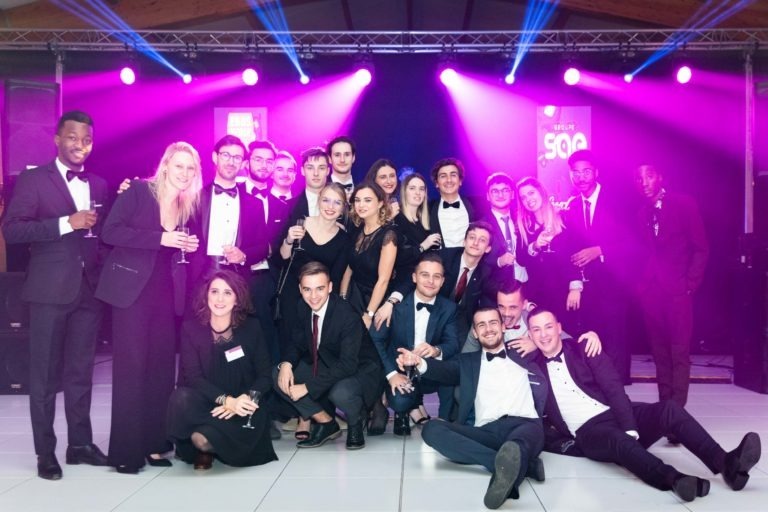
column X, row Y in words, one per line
column 366, row 203
column 477, row 242
column 331, row 204
column 284, row 173
column 261, row 164
column 180, row 171
column 342, row 158
column 415, row 192
column 530, row 198
column 386, row 178
column 74, row 143
column 429, row 278
column 486, row 327
column 228, row 162
column 315, row 290
column 500, row 196
column 510, row 308
column 544, row 330
column 221, row 298
column 584, row 177
column 448, row 181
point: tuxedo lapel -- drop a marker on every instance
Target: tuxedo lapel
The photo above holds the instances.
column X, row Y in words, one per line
column 408, row 324
column 434, row 318
column 205, row 208
column 58, row 183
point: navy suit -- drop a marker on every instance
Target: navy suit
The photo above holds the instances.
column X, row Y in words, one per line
column 478, row 292
column 604, row 437
column 64, row 315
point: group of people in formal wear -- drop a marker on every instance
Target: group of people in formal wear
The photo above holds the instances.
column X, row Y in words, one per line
column 333, row 302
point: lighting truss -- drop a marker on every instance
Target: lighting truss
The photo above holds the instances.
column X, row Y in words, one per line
column 384, row 42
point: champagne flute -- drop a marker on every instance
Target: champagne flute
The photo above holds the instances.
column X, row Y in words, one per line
column 227, row 242
column 411, row 373
column 254, row 395
column 550, row 234
column 92, row 206
column 185, row 231
column 297, row 243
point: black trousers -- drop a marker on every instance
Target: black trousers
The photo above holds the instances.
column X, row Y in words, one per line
column 346, row 394
column 262, row 285
column 62, row 342
column 602, row 439
column 468, row 444
column 405, row 402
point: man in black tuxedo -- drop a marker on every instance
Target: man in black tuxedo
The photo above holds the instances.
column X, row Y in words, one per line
column 425, row 323
column 587, row 403
column 451, row 213
column 341, row 152
column 599, row 223
column 501, row 400
column 501, row 217
column 315, row 169
column 329, row 362
column 283, row 177
column 468, row 276
column 51, row 209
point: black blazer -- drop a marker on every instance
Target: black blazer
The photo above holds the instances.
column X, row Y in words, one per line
column 441, row 330
column 464, row 371
column 479, row 290
column 498, row 241
column 345, row 350
column 473, row 206
column 56, row 262
column 298, row 208
column 598, row 378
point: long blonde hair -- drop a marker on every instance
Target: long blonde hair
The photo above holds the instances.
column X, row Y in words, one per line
column 526, row 220
column 422, row 212
column 189, row 199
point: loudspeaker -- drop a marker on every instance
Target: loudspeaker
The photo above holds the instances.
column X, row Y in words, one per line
column 29, row 124
column 750, row 321
column 14, row 335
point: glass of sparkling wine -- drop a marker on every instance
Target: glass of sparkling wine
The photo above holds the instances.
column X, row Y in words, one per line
column 185, row 231
column 254, row 395
column 92, row 206
column 297, row 243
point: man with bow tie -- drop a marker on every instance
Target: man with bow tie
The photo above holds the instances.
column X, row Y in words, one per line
column 341, row 151
column 451, row 213
column 425, row 323
column 501, row 401
column 587, row 404
column 51, row 210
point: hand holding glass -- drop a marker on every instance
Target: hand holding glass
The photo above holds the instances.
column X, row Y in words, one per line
column 92, row 207
column 254, row 395
column 297, row 243
column 228, row 242
column 185, row 231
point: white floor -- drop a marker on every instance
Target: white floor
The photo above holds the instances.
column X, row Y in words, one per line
column 390, row 474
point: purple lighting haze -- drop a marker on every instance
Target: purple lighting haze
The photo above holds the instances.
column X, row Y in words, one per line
column 127, row 76
column 449, row 77
column 363, row 77
column 684, row 74
column 250, row 76
column 571, row 76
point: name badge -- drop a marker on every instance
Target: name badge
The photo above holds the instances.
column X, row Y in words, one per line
column 234, row 353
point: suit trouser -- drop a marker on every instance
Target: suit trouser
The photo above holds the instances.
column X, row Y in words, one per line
column 669, row 323
column 467, row 444
column 262, row 287
column 405, row 402
column 602, row 439
column 346, row 394
column 143, row 369
column 62, row 338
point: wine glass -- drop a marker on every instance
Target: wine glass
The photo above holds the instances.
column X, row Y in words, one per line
column 297, row 243
column 185, row 231
column 227, row 242
column 550, row 234
column 583, row 276
column 92, row 206
column 254, row 395
column 411, row 372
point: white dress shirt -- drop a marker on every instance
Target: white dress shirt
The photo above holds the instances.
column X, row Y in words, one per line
column 223, row 222
column 521, row 274
column 503, row 389
column 453, row 223
column 576, row 407
column 593, row 198
column 81, row 195
column 312, row 203
column 321, row 313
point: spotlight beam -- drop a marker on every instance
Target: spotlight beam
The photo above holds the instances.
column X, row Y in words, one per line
column 272, row 16
column 537, row 15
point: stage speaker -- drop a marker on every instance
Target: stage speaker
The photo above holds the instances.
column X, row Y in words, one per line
column 14, row 335
column 750, row 320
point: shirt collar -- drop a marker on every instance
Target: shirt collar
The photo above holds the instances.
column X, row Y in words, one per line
column 594, row 196
column 321, row 312
column 464, row 264
column 63, row 168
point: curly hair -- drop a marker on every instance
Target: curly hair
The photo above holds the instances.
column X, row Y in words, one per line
column 239, row 287
column 380, row 195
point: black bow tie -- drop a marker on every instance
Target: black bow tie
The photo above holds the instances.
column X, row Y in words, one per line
column 346, row 186
column 82, row 176
column 218, row 189
column 516, row 326
column 555, row 358
column 501, row 354
column 422, row 305
column 457, row 204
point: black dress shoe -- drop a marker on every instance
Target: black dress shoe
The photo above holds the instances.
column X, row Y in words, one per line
column 86, row 454
column 48, row 467
column 402, row 426
column 506, row 471
column 702, row 487
column 320, row 433
column 739, row 461
column 162, row 462
column 203, row 460
column 125, row 469
column 355, row 438
column 536, row 470
column 685, row 486
column 379, row 418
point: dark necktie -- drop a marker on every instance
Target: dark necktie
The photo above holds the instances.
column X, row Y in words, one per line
column 422, row 305
column 501, row 355
column 555, row 358
column 507, row 231
column 218, row 189
column 456, row 205
column 315, row 334
column 82, row 176
column 461, row 285
column 587, row 215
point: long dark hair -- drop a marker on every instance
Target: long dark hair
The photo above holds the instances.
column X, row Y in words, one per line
column 240, row 289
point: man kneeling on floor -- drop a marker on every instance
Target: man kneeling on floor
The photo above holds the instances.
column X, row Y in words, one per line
column 587, row 403
column 501, row 399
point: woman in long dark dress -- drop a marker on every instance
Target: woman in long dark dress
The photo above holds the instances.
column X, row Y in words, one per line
column 372, row 257
column 223, row 357
column 547, row 245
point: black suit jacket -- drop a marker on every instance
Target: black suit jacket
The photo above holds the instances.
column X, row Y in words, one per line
column 498, row 241
column 57, row 263
column 479, row 290
column 598, row 378
column 473, row 206
column 441, row 330
column 464, row 371
column 345, row 350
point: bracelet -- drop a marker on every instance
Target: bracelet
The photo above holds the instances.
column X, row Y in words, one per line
column 286, row 242
column 220, row 399
column 393, row 301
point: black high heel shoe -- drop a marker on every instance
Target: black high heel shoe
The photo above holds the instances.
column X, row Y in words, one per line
column 377, row 423
column 158, row 463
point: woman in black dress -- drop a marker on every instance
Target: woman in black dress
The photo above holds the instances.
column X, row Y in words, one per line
column 372, row 257
column 384, row 174
column 223, row 358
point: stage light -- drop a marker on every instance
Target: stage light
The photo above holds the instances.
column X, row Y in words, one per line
column 127, row 76
column 250, row 76
column 304, row 79
column 629, row 77
column 187, row 78
column 684, row 74
column 449, row 77
column 363, row 77
column 550, row 110
column 571, row 76
column 509, row 79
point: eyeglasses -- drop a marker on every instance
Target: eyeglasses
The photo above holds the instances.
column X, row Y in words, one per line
column 587, row 171
column 500, row 191
column 257, row 160
column 238, row 159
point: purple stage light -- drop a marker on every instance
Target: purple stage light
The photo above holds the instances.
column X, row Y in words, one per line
column 684, row 74
column 250, row 76
column 629, row 77
column 510, row 78
column 571, row 76
column 363, row 77
column 127, row 76
column 550, row 110
column 449, row 77
column 187, row 78
column 304, row 79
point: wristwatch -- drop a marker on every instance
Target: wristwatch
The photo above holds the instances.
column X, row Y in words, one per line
column 370, row 313
column 393, row 301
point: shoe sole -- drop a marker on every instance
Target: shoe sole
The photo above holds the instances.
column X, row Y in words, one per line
column 51, row 477
column 750, row 455
column 331, row 437
column 356, row 446
column 507, row 469
column 685, row 488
